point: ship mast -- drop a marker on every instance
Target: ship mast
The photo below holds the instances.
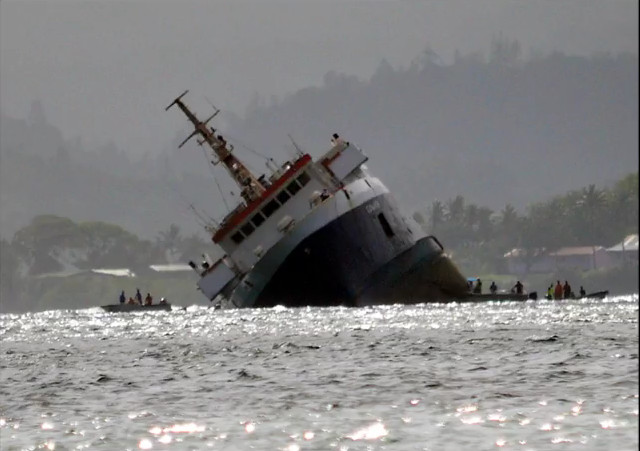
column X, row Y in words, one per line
column 250, row 187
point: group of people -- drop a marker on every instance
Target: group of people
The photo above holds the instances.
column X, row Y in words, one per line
column 561, row 291
column 518, row 288
column 137, row 299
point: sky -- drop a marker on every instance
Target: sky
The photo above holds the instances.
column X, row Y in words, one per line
column 105, row 70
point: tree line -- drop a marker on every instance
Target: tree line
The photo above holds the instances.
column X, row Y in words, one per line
column 476, row 235
column 479, row 236
column 51, row 244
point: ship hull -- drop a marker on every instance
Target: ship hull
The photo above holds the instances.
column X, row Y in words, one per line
column 368, row 255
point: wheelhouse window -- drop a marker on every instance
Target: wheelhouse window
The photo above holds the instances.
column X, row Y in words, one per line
column 270, row 208
column 283, row 196
column 247, row 229
column 293, row 187
column 385, row 225
column 257, row 219
column 237, row 237
column 303, row 179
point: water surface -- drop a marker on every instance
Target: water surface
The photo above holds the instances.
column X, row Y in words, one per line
column 506, row 375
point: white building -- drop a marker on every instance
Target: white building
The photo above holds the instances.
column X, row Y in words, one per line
column 625, row 251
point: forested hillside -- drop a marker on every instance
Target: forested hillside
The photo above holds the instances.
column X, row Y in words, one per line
column 497, row 130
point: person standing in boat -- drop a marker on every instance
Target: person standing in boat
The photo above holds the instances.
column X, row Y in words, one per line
column 557, row 292
column 478, row 288
column 493, row 288
column 138, row 296
column 148, row 300
column 566, row 290
column 517, row 288
column 550, row 292
column 123, row 298
column 582, row 292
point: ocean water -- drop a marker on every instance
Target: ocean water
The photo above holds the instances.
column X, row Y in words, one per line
column 535, row 375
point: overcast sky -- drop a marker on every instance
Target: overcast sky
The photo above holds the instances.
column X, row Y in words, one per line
column 105, row 70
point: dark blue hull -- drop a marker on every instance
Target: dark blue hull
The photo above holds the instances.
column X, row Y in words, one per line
column 366, row 256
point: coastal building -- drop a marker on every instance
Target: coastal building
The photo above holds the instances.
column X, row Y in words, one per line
column 119, row 272
column 581, row 258
column 578, row 258
column 626, row 251
column 526, row 261
column 171, row 268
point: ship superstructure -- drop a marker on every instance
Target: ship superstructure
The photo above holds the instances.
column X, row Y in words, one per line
column 322, row 232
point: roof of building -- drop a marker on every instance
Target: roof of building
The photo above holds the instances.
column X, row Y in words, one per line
column 119, row 272
column 171, row 267
column 630, row 243
column 520, row 252
column 578, row 250
column 65, row 273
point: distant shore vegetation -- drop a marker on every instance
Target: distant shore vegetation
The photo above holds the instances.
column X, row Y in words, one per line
column 478, row 237
column 507, row 117
column 46, row 265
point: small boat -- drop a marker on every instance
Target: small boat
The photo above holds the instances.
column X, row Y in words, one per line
column 596, row 295
column 126, row 308
column 476, row 297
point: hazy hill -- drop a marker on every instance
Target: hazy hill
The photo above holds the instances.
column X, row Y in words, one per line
column 497, row 131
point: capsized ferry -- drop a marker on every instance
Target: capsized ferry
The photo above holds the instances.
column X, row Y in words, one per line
column 318, row 232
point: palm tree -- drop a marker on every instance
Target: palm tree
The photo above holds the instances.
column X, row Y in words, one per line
column 471, row 217
column 485, row 223
column 170, row 241
column 455, row 209
column 436, row 215
column 508, row 219
column 591, row 204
